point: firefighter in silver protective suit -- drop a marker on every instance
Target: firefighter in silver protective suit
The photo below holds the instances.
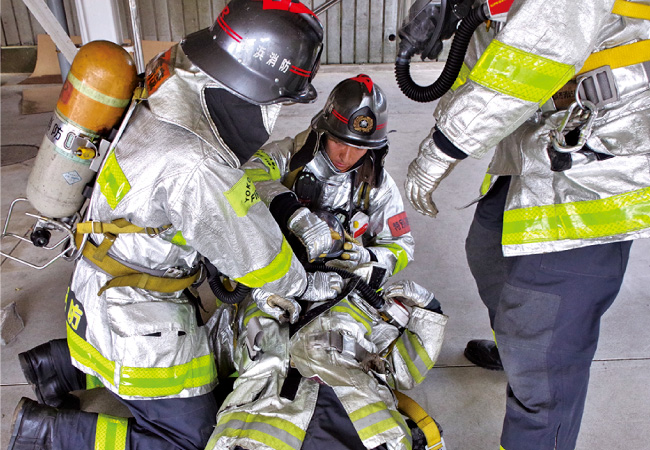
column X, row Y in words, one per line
column 172, row 191
column 567, row 191
column 324, row 378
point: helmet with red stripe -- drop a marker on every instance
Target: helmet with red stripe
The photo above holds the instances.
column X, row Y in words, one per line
column 355, row 113
column 265, row 51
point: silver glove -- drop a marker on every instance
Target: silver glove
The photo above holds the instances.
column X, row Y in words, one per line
column 280, row 308
column 412, row 294
column 424, row 175
column 313, row 232
column 356, row 253
column 322, row 286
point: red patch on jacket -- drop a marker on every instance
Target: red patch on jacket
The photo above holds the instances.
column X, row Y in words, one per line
column 399, row 224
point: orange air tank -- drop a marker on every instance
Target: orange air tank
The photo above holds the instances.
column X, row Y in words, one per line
column 95, row 94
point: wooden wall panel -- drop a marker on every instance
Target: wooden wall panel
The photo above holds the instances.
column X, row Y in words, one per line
column 356, row 31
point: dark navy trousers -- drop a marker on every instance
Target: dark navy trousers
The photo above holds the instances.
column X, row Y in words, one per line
column 545, row 311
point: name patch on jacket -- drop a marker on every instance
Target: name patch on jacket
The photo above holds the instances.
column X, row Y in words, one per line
column 399, row 224
column 242, row 196
column 76, row 316
column 159, row 72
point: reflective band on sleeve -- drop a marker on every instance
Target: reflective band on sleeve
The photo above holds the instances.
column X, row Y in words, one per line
column 274, row 271
column 112, row 181
column 462, row 77
column 589, row 219
column 93, row 382
column 270, row 163
column 166, row 381
column 144, row 381
column 273, row 432
column 253, row 311
column 400, row 254
column 242, row 196
column 414, row 355
column 93, row 94
column 373, row 419
column 344, row 306
column 110, row 433
column 520, row 74
column 257, row 175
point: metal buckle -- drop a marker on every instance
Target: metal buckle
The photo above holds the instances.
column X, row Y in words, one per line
column 597, row 86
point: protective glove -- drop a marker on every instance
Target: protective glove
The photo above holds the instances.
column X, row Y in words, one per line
column 412, row 294
column 322, row 286
column 313, row 232
column 424, row 175
column 280, row 308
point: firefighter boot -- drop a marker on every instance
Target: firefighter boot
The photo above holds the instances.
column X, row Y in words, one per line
column 32, row 426
column 52, row 376
column 484, row 354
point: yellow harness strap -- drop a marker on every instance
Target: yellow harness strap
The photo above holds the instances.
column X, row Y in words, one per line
column 123, row 275
column 417, row 414
column 623, row 55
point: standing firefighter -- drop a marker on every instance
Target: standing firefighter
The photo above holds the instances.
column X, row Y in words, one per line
column 171, row 191
column 567, row 191
column 324, row 381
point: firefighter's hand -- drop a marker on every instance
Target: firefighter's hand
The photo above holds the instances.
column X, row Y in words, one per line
column 313, row 232
column 322, row 286
column 282, row 309
column 424, row 175
column 354, row 254
column 412, row 294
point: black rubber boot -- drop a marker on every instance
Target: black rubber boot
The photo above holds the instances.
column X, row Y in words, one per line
column 483, row 353
column 52, row 376
column 32, row 426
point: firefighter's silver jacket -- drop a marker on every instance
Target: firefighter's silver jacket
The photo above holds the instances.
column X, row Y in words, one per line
column 350, row 348
column 558, row 201
column 170, row 167
column 388, row 235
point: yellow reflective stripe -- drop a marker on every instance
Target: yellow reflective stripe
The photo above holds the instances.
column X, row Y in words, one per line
column 88, row 356
column 487, row 182
column 165, row 381
column 178, row 239
column 345, row 307
column 93, row 382
column 400, row 254
column 257, row 175
column 94, row 94
column 242, row 196
column 414, row 355
column 621, row 56
column 520, row 74
column 372, row 420
column 462, row 77
column 144, row 381
column 274, row 432
column 112, row 181
column 587, row 219
column 110, row 432
column 274, row 271
column 631, row 9
column 253, row 311
column 401, row 422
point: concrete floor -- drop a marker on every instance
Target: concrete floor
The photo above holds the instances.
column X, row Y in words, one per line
column 467, row 401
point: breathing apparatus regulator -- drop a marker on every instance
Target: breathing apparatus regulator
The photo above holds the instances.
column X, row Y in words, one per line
column 425, row 24
column 99, row 88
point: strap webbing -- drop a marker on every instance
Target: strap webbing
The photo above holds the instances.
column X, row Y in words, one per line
column 117, row 226
column 417, row 414
column 621, row 56
column 631, row 9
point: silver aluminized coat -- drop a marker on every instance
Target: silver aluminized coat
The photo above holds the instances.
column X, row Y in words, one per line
column 176, row 170
column 385, row 200
column 256, row 395
column 476, row 118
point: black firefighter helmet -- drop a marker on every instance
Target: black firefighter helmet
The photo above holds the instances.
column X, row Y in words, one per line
column 265, row 51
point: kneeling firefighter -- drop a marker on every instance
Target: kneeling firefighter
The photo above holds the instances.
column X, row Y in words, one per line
column 172, row 191
column 563, row 96
column 323, row 375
